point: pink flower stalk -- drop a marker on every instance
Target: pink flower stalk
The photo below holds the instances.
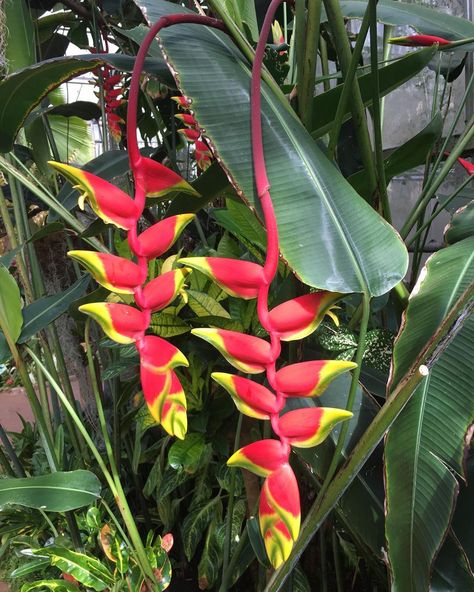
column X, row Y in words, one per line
column 419, row 40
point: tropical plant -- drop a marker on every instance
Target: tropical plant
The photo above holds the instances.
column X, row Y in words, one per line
column 92, row 490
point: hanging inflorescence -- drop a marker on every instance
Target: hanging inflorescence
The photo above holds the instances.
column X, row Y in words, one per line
column 279, row 509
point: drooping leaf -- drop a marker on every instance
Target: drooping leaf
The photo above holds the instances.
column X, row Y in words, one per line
column 56, row 492
column 85, row 569
column 10, row 305
column 194, row 525
column 39, row 314
column 461, row 225
column 185, row 455
column 204, row 305
column 427, row 441
column 53, row 585
column 424, row 19
column 23, row 90
column 326, row 215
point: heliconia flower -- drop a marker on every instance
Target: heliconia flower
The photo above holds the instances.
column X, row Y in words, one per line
column 187, row 119
column 114, row 273
column 203, row 155
column 158, row 180
column 122, row 323
column 250, row 398
column 262, row 457
column 191, row 135
column 419, row 40
column 159, row 355
column 166, row 400
column 109, row 202
column 310, row 379
column 182, row 102
column 299, row 317
column 160, row 237
column 247, row 353
column 277, row 33
column 241, row 279
column 279, row 514
column 468, row 166
column 161, row 291
column 310, row 426
column 111, row 81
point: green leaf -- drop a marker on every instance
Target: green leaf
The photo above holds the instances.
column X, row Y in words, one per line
column 170, row 481
column 73, row 138
column 195, row 524
column 463, row 198
column 204, row 306
column 452, row 571
column 32, row 84
column 391, row 77
column 256, row 540
column 168, row 325
column 11, row 318
column 219, row 322
column 242, row 222
column 427, row 441
column 53, row 585
column 185, row 455
column 86, row 569
column 211, row 558
column 56, row 492
column 461, row 225
column 39, row 314
column 424, row 19
column 326, row 215
column 412, row 154
column 83, row 109
column 29, row 567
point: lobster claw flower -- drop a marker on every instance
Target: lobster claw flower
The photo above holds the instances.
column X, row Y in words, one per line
column 299, row 317
column 241, row 279
column 157, row 180
column 262, row 457
column 191, row 135
column 161, row 291
column 187, row 119
column 166, row 400
column 247, row 353
column 117, row 274
column 159, row 355
column 160, row 237
column 310, row 379
column 279, row 514
column 419, row 40
column 311, row 425
column 251, row 399
column 182, row 102
column 468, row 166
column 122, row 323
column 108, row 201
column 202, row 154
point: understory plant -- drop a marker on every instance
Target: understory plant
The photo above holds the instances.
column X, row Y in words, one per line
column 242, row 198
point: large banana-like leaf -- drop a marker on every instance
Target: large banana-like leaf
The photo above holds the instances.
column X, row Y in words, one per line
column 461, row 225
column 427, row 442
column 424, row 19
column 330, row 236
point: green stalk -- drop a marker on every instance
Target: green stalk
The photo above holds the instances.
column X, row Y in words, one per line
column 117, row 492
column 375, row 432
column 337, row 562
column 350, row 398
column 5, row 464
column 349, row 70
column 346, row 60
column 323, row 49
column 381, row 190
column 442, row 205
column 246, row 49
column 230, row 507
column 18, row 469
column 300, row 25
column 323, row 559
column 306, row 90
column 233, row 562
column 431, row 189
column 387, row 33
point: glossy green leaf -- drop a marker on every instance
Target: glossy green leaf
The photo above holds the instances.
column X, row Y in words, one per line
column 211, row 558
column 168, row 325
column 11, row 318
column 426, row 444
column 204, row 305
column 412, row 154
column 241, row 222
column 464, row 514
column 391, row 77
column 461, row 225
column 29, row 567
column 52, row 585
column 426, row 20
column 195, row 524
column 452, row 571
column 73, row 138
column 23, row 90
column 56, row 492
column 318, row 213
column 185, row 455
column 39, row 314
column 86, row 569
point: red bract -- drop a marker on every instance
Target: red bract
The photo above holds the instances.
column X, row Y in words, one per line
column 120, row 322
column 262, row 457
column 161, row 291
column 419, row 40
column 308, row 427
column 250, row 398
column 160, row 237
column 310, row 379
column 468, row 166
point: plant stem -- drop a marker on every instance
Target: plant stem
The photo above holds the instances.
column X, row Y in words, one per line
column 337, row 561
column 323, row 559
column 381, row 191
column 230, row 507
column 233, row 562
column 442, row 205
column 399, row 397
column 4, row 462
column 18, row 470
column 306, row 90
column 300, row 24
column 323, row 49
column 346, row 59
